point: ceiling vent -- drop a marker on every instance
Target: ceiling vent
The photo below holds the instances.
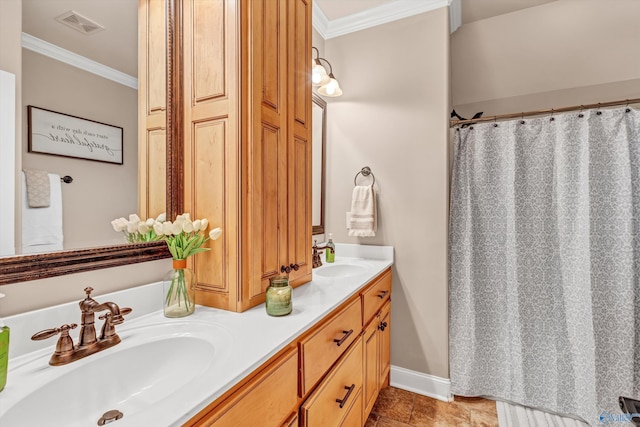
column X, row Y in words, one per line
column 80, row 23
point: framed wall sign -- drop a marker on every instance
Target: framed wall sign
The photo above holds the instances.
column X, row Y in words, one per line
column 69, row 136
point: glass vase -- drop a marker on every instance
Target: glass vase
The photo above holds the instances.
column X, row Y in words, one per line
column 179, row 290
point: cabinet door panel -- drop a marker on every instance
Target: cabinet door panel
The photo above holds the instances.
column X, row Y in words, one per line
column 385, row 345
column 370, row 366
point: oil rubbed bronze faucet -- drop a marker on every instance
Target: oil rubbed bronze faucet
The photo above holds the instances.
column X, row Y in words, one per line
column 87, row 344
column 316, row 261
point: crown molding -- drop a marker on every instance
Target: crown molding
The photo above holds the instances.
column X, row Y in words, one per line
column 56, row 52
column 382, row 14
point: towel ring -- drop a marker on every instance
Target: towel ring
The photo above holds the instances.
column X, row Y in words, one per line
column 365, row 171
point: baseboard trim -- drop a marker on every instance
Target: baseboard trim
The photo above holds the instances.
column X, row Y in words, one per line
column 418, row 382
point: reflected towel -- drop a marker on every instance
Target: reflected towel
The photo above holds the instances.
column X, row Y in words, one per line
column 42, row 227
column 362, row 221
column 38, row 188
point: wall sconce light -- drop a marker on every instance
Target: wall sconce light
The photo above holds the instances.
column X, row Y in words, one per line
column 327, row 83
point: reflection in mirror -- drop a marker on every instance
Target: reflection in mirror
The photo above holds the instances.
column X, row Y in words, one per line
column 55, row 63
column 319, row 120
column 114, row 187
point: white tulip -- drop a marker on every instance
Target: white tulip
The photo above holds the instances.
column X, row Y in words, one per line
column 162, row 217
column 132, row 227
column 215, row 233
column 119, row 224
column 204, row 223
column 166, row 228
column 176, row 228
column 187, row 226
column 134, row 218
column 186, row 216
column 143, row 228
column 196, row 225
column 157, row 227
column 150, row 222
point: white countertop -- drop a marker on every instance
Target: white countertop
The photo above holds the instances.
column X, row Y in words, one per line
column 251, row 337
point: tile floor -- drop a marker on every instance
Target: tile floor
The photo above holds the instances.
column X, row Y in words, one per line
column 399, row 408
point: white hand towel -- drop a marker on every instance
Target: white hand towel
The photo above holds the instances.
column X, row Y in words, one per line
column 362, row 221
column 42, row 227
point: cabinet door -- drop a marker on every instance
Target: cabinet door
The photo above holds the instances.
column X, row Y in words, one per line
column 371, row 363
column 385, row 345
column 299, row 135
column 266, row 163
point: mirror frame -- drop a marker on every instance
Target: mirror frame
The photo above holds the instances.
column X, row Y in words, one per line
column 24, row 268
column 316, row 99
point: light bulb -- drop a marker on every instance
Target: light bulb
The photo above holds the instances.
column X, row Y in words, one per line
column 319, row 75
column 331, row 89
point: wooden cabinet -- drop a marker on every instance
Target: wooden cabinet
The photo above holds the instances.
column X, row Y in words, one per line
column 377, row 345
column 247, row 143
column 268, row 400
column 329, row 376
column 329, row 404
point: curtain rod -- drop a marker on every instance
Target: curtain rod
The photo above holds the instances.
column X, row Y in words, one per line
column 541, row 112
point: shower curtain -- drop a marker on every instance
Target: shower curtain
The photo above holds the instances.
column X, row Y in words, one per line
column 544, row 262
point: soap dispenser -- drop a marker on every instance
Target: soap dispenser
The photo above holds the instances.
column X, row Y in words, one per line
column 4, row 352
column 331, row 249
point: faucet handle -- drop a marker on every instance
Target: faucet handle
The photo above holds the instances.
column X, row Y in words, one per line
column 48, row 333
column 108, row 329
column 88, row 291
column 64, row 344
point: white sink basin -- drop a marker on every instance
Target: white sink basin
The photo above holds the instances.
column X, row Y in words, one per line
column 340, row 270
column 135, row 377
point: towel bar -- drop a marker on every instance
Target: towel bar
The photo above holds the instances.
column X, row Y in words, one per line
column 365, row 171
column 66, row 179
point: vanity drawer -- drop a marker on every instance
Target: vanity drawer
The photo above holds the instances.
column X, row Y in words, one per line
column 339, row 395
column 320, row 350
column 375, row 296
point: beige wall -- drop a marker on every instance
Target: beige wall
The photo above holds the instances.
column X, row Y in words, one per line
column 100, row 191
column 562, row 53
column 393, row 118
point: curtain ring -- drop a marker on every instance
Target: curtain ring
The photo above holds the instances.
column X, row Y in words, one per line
column 627, row 110
column 598, row 112
column 581, row 108
column 522, row 118
column 495, row 125
column 552, row 118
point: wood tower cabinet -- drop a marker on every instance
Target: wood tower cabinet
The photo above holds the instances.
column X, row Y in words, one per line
column 247, row 143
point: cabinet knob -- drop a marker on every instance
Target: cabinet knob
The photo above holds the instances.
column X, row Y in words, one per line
column 296, row 267
column 382, row 326
column 343, row 401
column 285, row 269
column 341, row 341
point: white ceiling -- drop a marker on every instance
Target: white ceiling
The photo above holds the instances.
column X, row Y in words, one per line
column 116, row 46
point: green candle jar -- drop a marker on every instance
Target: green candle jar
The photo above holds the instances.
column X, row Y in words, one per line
column 278, row 299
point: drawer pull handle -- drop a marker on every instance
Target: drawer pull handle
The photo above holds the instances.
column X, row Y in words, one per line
column 382, row 294
column 343, row 401
column 340, row 341
column 382, row 325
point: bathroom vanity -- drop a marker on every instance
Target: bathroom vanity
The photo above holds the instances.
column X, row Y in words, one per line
column 322, row 365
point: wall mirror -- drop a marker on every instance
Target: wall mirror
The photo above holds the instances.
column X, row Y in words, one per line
column 319, row 121
column 91, row 254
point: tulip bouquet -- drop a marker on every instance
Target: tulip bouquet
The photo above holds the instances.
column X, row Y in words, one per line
column 184, row 238
column 135, row 230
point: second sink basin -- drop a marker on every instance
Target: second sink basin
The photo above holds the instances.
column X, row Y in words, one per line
column 137, row 375
column 340, row 270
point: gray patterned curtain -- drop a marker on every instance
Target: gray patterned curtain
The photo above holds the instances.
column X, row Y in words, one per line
column 544, row 262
